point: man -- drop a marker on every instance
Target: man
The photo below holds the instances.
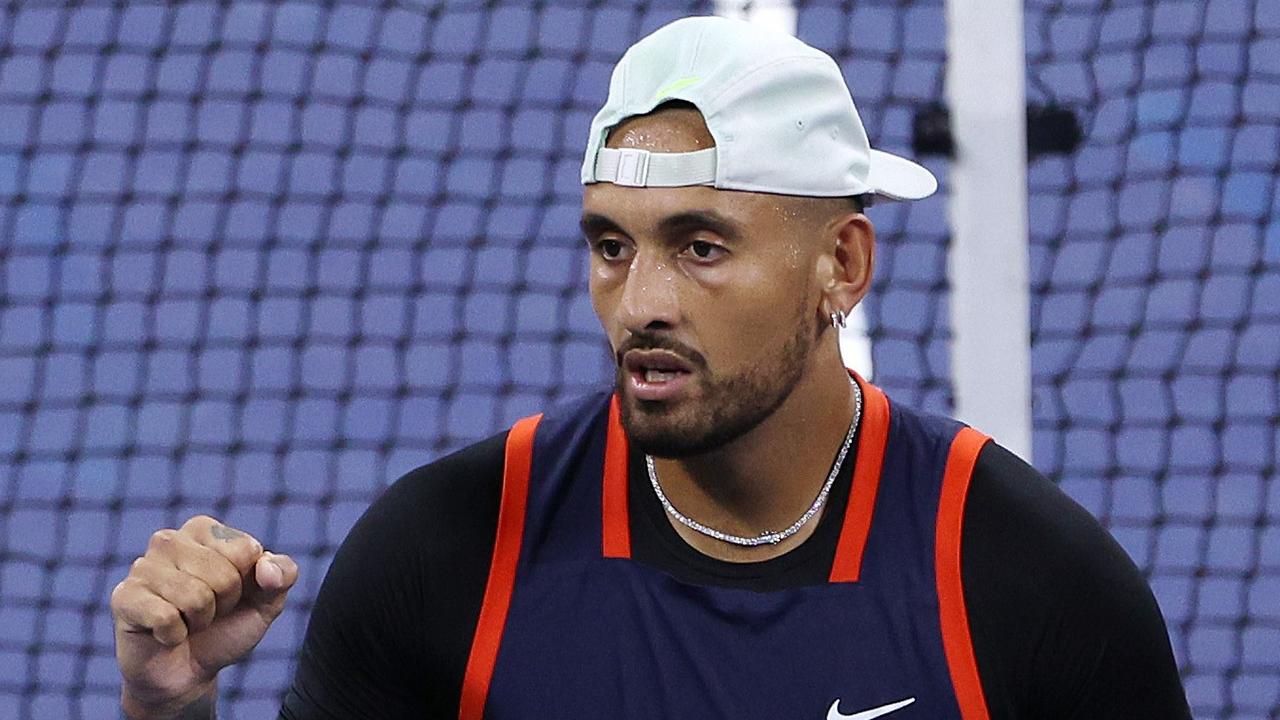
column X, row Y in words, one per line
column 742, row 530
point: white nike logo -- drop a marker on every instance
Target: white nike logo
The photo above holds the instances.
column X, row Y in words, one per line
column 835, row 714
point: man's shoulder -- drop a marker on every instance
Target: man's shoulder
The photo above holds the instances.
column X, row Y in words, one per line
column 439, row 507
column 1061, row 617
column 479, row 463
column 402, row 594
column 1030, row 548
column 476, row 463
column 458, row 494
column 920, row 433
column 1006, row 494
column 1012, row 505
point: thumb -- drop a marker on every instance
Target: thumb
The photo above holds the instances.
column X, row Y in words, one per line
column 272, row 577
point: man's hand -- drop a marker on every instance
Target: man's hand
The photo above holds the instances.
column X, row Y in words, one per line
column 199, row 599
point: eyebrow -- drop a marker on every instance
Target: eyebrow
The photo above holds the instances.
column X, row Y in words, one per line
column 672, row 226
column 594, row 224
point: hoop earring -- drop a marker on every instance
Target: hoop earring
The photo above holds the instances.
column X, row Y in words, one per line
column 838, row 319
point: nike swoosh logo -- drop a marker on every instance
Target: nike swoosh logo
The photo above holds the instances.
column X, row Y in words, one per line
column 835, row 714
column 675, row 85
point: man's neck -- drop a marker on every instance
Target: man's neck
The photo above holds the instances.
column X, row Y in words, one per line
column 766, row 479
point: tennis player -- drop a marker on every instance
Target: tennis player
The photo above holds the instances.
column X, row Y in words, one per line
column 741, row 529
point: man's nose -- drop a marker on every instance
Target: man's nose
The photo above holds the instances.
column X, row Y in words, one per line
column 649, row 297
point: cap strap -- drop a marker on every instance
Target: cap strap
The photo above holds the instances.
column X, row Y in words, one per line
column 640, row 168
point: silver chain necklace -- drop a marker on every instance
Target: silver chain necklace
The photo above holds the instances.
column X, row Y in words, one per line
column 767, row 538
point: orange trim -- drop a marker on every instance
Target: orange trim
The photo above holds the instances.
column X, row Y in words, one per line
column 617, row 526
column 873, row 435
column 502, row 570
column 956, row 642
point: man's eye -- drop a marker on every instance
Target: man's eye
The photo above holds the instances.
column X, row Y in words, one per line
column 609, row 249
column 704, row 250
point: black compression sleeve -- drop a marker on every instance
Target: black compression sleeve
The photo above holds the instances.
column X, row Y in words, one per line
column 1063, row 623
column 392, row 625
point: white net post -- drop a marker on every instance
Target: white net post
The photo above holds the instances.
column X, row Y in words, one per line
column 989, row 257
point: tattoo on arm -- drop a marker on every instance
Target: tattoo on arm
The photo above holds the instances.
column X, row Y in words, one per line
column 222, row 532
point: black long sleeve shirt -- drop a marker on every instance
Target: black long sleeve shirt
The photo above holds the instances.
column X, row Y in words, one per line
column 1063, row 623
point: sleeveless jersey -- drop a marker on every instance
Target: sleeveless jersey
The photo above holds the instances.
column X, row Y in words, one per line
column 571, row 627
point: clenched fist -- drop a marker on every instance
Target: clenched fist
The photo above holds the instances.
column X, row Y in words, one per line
column 199, row 599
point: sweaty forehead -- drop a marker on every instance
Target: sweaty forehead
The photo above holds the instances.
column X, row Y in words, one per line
column 669, row 129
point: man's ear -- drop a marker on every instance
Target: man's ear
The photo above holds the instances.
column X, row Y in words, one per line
column 852, row 261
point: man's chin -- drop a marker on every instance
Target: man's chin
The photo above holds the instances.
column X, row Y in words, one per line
column 656, row 428
column 666, row 444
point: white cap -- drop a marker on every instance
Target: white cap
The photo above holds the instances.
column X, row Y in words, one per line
column 779, row 111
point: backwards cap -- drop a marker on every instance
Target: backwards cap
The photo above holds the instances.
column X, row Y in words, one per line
column 779, row 110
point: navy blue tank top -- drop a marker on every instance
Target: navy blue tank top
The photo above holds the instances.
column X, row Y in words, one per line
column 571, row 627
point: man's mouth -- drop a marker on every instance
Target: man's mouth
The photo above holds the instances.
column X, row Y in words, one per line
column 656, row 375
column 655, row 365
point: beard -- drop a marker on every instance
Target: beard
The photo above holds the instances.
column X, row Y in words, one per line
column 723, row 408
